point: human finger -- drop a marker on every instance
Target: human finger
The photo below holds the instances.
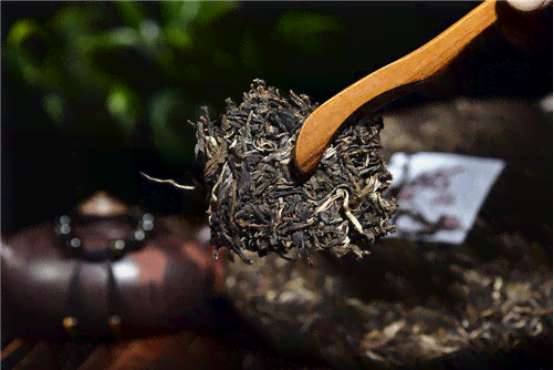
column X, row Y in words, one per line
column 529, row 5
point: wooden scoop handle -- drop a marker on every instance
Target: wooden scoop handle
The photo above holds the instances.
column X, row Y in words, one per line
column 388, row 83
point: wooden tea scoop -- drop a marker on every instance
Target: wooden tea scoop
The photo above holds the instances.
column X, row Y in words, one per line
column 388, row 83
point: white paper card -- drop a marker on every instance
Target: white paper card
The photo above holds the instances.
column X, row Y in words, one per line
column 440, row 194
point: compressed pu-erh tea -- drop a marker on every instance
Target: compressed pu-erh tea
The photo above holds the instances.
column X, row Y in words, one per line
column 433, row 305
column 256, row 204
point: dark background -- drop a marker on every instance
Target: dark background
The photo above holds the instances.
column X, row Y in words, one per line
column 317, row 48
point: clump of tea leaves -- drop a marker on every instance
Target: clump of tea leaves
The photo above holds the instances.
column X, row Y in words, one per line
column 255, row 203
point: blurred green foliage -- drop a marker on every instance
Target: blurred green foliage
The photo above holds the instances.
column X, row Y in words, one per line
column 141, row 70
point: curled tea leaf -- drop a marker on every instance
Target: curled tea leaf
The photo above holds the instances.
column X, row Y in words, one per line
column 256, row 204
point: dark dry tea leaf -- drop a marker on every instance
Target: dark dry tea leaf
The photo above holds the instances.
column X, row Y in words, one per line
column 433, row 304
column 318, row 309
column 255, row 203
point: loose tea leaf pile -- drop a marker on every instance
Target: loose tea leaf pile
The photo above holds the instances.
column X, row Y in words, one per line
column 256, row 204
column 433, row 304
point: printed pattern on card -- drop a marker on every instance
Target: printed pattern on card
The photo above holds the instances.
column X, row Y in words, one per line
column 440, row 194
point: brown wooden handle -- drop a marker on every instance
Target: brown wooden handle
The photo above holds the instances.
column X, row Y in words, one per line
column 388, row 83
